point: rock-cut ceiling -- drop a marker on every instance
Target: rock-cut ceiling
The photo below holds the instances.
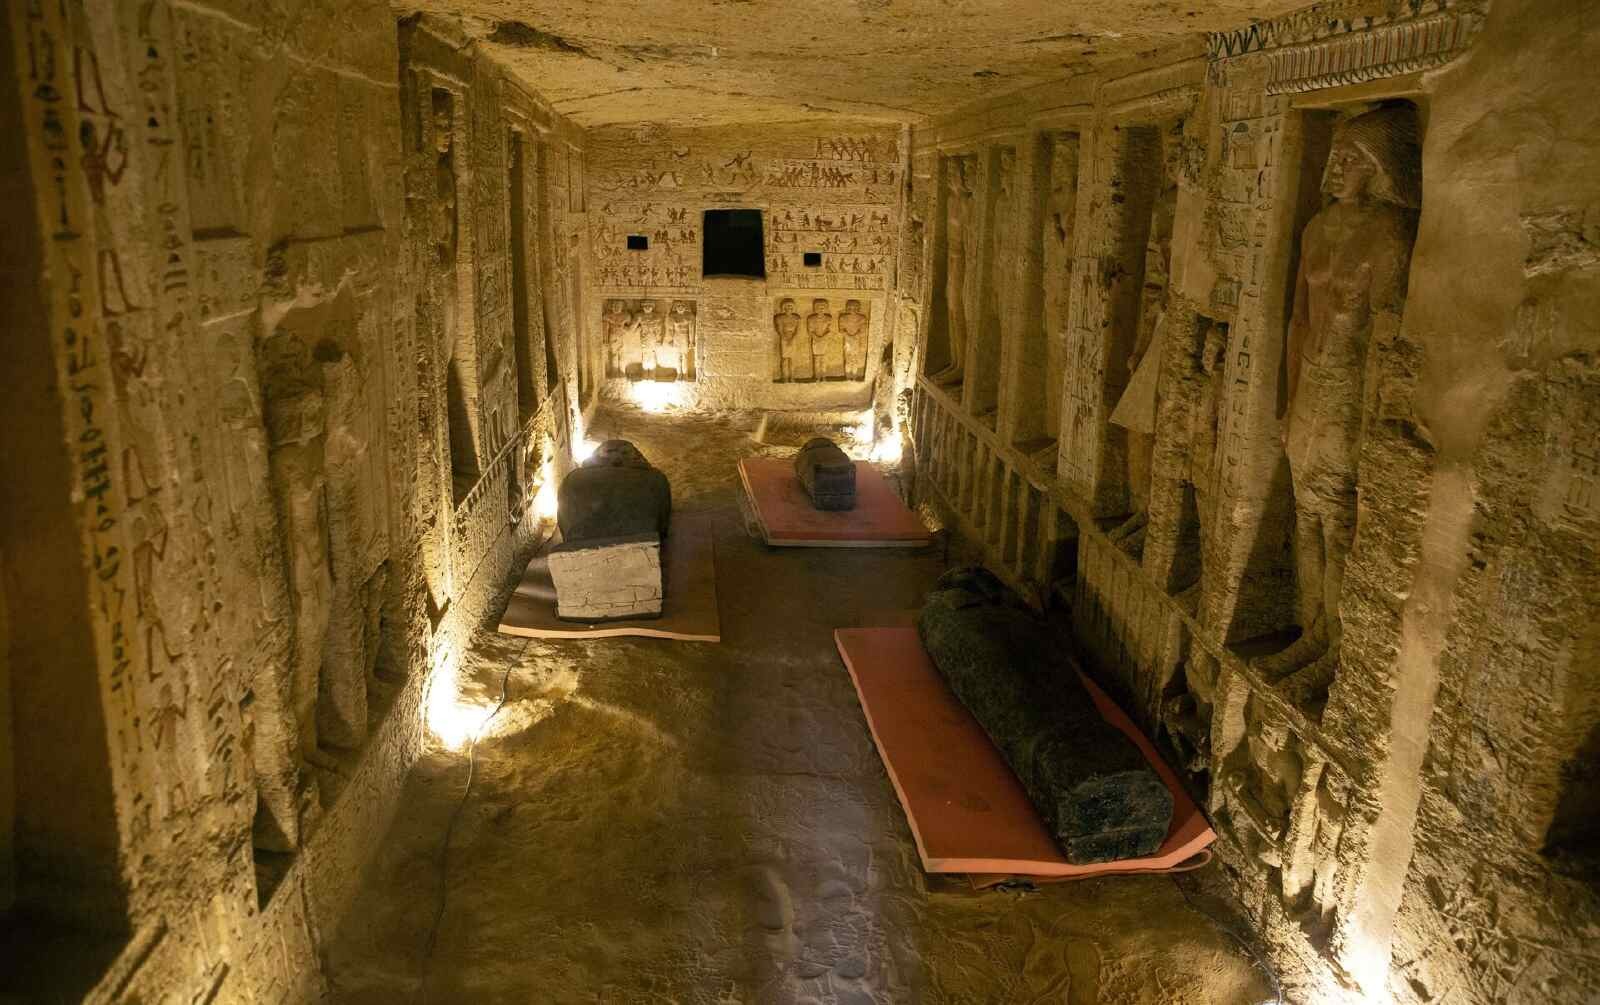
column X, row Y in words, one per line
column 710, row 62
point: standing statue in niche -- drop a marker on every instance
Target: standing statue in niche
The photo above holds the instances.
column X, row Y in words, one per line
column 1136, row 410
column 615, row 323
column 1060, row 225
column 853, row 327
column 794, row 351
column 958, row 211
column 444, row 225
column 1349, row 294
column 827, row 354
column 295, row 413
column 1206, row 436
column 680, row 333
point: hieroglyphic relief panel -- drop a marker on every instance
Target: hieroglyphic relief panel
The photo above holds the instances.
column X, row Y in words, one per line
column 671, row 261
column 792, row 164
column 855, row 245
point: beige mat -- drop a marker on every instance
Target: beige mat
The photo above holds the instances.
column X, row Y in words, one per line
column 688, row 613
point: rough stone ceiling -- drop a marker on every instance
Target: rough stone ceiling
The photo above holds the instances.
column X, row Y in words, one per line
column 710, row 62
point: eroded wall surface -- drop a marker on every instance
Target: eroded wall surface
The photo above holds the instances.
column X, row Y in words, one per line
column 1314, row 479
column 295, row 340
column 802, row 336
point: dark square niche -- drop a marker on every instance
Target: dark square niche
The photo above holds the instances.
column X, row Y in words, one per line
column 733, row 244
column 813, row 259
column 638, row 242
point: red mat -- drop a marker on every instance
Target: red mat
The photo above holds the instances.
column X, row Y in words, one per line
column 787, row 518
column 968, row 813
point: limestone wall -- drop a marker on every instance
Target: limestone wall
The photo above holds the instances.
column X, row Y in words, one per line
column 828, row 188
column 1396, row 759
column 296, row 382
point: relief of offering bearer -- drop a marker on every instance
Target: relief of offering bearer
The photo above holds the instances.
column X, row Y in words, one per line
column 615, row 323
column 853, row 328
column 827, row 347
column 794, row 348
column 1354, row 258
column 680, row 333
column 958, row 213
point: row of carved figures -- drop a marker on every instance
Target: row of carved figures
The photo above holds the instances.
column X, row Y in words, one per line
column 820, row 345
column 642, row 342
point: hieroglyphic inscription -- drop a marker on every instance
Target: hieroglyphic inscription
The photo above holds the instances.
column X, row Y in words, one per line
column 671, row 263
column 856, row 244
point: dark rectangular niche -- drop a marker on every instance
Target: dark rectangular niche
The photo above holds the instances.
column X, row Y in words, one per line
column 813, row 259
column 638, row 242
column 733, row 244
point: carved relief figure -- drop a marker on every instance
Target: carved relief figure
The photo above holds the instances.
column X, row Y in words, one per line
column 958, row 214
column 615, row 323
column 680, row 333
column 444, row 229
column 1354, row 258
column 293, row 394
column 651, row 330
column 1136, row 411
column 853, row 327
column 794, row 351
column 1060, row 224
column 827, row 350
column 1204, row 441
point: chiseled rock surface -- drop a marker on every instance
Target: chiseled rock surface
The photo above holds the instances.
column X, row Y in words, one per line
column 609, row 579
column 1097, row 794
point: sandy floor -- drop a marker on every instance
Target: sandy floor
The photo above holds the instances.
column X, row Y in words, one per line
column 687, row 822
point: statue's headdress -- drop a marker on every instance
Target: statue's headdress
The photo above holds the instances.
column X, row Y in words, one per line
column 1391, row 140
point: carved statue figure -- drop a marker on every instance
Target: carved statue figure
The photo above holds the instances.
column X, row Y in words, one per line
column 1059, row 227
column 444, row 234
column 958, row 211
column 827, row 354
column 295, row 413
column 1136, row 411
column 853, row 327
column 794, row 352
column 1205, row 438
column 615, row 322
column 651, row 330
column 1354, row 259
column 615, row 493
column 680, row 335
column 827, row 474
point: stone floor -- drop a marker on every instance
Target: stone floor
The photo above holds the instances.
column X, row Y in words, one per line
column 685, row 822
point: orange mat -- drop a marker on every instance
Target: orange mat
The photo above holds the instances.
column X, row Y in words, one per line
column 788, row 520
column 968, row 813
column 688, row 611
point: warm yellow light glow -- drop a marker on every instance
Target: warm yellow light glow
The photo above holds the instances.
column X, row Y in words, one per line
column 888, row 449
column 544, row 501
column 866, row 424
column 656, row 396
column 449, row 720
column 584, row 450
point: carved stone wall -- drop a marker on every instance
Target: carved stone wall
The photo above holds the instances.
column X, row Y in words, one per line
column 828, row 193
column 263, row 254
column 1415, row 824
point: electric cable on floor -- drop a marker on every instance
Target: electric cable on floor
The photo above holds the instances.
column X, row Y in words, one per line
column 420, row 995
column 1228, row 930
